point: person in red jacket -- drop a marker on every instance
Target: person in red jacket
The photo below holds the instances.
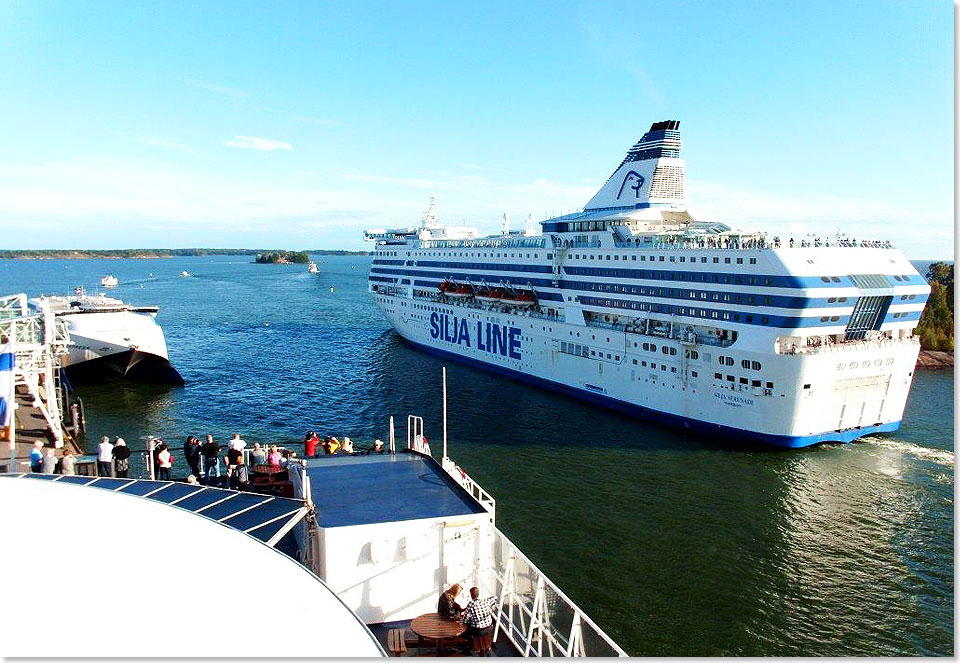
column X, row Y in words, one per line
column 310, row 441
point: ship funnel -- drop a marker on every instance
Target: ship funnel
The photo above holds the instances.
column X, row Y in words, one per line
column 530, row 229
column 506, row 223
column 651, row 175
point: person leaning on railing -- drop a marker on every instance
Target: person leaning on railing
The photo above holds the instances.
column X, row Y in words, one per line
column 121, row 458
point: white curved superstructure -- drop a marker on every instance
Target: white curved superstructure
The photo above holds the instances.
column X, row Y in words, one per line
column 641, row 308
column 109, row 336
column 152, row 550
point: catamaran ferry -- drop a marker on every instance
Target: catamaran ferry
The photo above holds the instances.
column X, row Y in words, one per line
column 634, row 304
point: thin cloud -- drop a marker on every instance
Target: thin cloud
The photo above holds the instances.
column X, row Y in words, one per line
column 259, row 144
column 309, row 119
column 237, row 93
column 169, row 143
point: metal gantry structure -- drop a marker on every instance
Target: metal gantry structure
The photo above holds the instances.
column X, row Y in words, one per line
column 38, row 341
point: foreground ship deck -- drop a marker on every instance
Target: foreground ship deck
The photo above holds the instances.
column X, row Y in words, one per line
column 379, row 537
column 632, row 304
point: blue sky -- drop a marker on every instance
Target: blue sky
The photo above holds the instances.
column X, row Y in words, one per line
column 289, row 124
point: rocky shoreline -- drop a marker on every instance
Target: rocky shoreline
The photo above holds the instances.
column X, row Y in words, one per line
column 935, row 359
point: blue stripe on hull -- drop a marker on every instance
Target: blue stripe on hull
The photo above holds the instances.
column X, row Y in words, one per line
column 672, row 420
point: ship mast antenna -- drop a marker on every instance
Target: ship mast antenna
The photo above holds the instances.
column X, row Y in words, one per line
column 429, row 217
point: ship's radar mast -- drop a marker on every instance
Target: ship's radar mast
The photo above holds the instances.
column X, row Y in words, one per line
column 429, row 219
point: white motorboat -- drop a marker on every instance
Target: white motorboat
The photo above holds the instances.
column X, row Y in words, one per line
column 185, row 274
column 312, row 268
column 109, row 281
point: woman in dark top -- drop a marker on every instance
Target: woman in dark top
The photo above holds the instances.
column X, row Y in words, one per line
column 121, row 458
column 448, row 606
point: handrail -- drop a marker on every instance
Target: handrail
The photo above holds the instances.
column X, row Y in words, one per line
column 468, row 484
column 531, row 627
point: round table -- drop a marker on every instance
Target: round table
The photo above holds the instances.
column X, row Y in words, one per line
column 435, row 627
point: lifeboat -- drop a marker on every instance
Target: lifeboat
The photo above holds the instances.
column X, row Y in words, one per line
column 456, row 291
column 446, row 287
column 489, row 295
column 463, row 291
column 521, row 298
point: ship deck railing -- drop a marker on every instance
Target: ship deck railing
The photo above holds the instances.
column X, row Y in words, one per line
column 534, row 615
column 468, row 484
column 846, row 346
column 756, row 243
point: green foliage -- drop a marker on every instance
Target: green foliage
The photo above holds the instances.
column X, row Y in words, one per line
column 273, row 257
column 935, row 328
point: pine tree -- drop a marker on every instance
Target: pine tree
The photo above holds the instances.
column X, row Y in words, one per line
column 935, row 328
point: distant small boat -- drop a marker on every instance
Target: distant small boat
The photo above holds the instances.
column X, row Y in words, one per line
column 184, row 273
column 312, row 268
column 109, row 281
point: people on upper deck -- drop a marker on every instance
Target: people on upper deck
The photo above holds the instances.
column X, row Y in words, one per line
column 191, row 454
column 310, row 442
column 274, row 457
column 330, row 445
column 164, row 462
column 447, row 606
column 50, row 461
column 68, row 463
column 478, row 615
column 258, row 456
column 105, row 457
column 377, row 447
column 236, row 442
column 239, row 476
column 210, row 450
column 36, row 457
column 347, row 445
column 121, row 458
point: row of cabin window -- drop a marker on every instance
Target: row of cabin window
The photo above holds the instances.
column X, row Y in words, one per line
column 584, row 351
column 855, row 364
column 666, row 308
column 643, row 258
column 743, row 380
column 677, row 293
column 723, row 360
column 663, row 367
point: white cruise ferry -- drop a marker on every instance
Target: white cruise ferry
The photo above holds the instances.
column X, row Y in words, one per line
column 633, row 304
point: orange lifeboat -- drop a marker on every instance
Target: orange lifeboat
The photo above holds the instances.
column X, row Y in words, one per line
column 446, row 286
column 489, row 295
column 521, row 298
column 455, row 290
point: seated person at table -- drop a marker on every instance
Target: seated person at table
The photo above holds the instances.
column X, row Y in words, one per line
column 273, row 458
column 447, row 606
column 478, row 615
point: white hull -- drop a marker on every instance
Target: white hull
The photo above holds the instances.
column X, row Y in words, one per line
column 108, row 336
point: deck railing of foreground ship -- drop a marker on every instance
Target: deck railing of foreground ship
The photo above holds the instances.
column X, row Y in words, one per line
column 538, row 618
column 37, row 340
